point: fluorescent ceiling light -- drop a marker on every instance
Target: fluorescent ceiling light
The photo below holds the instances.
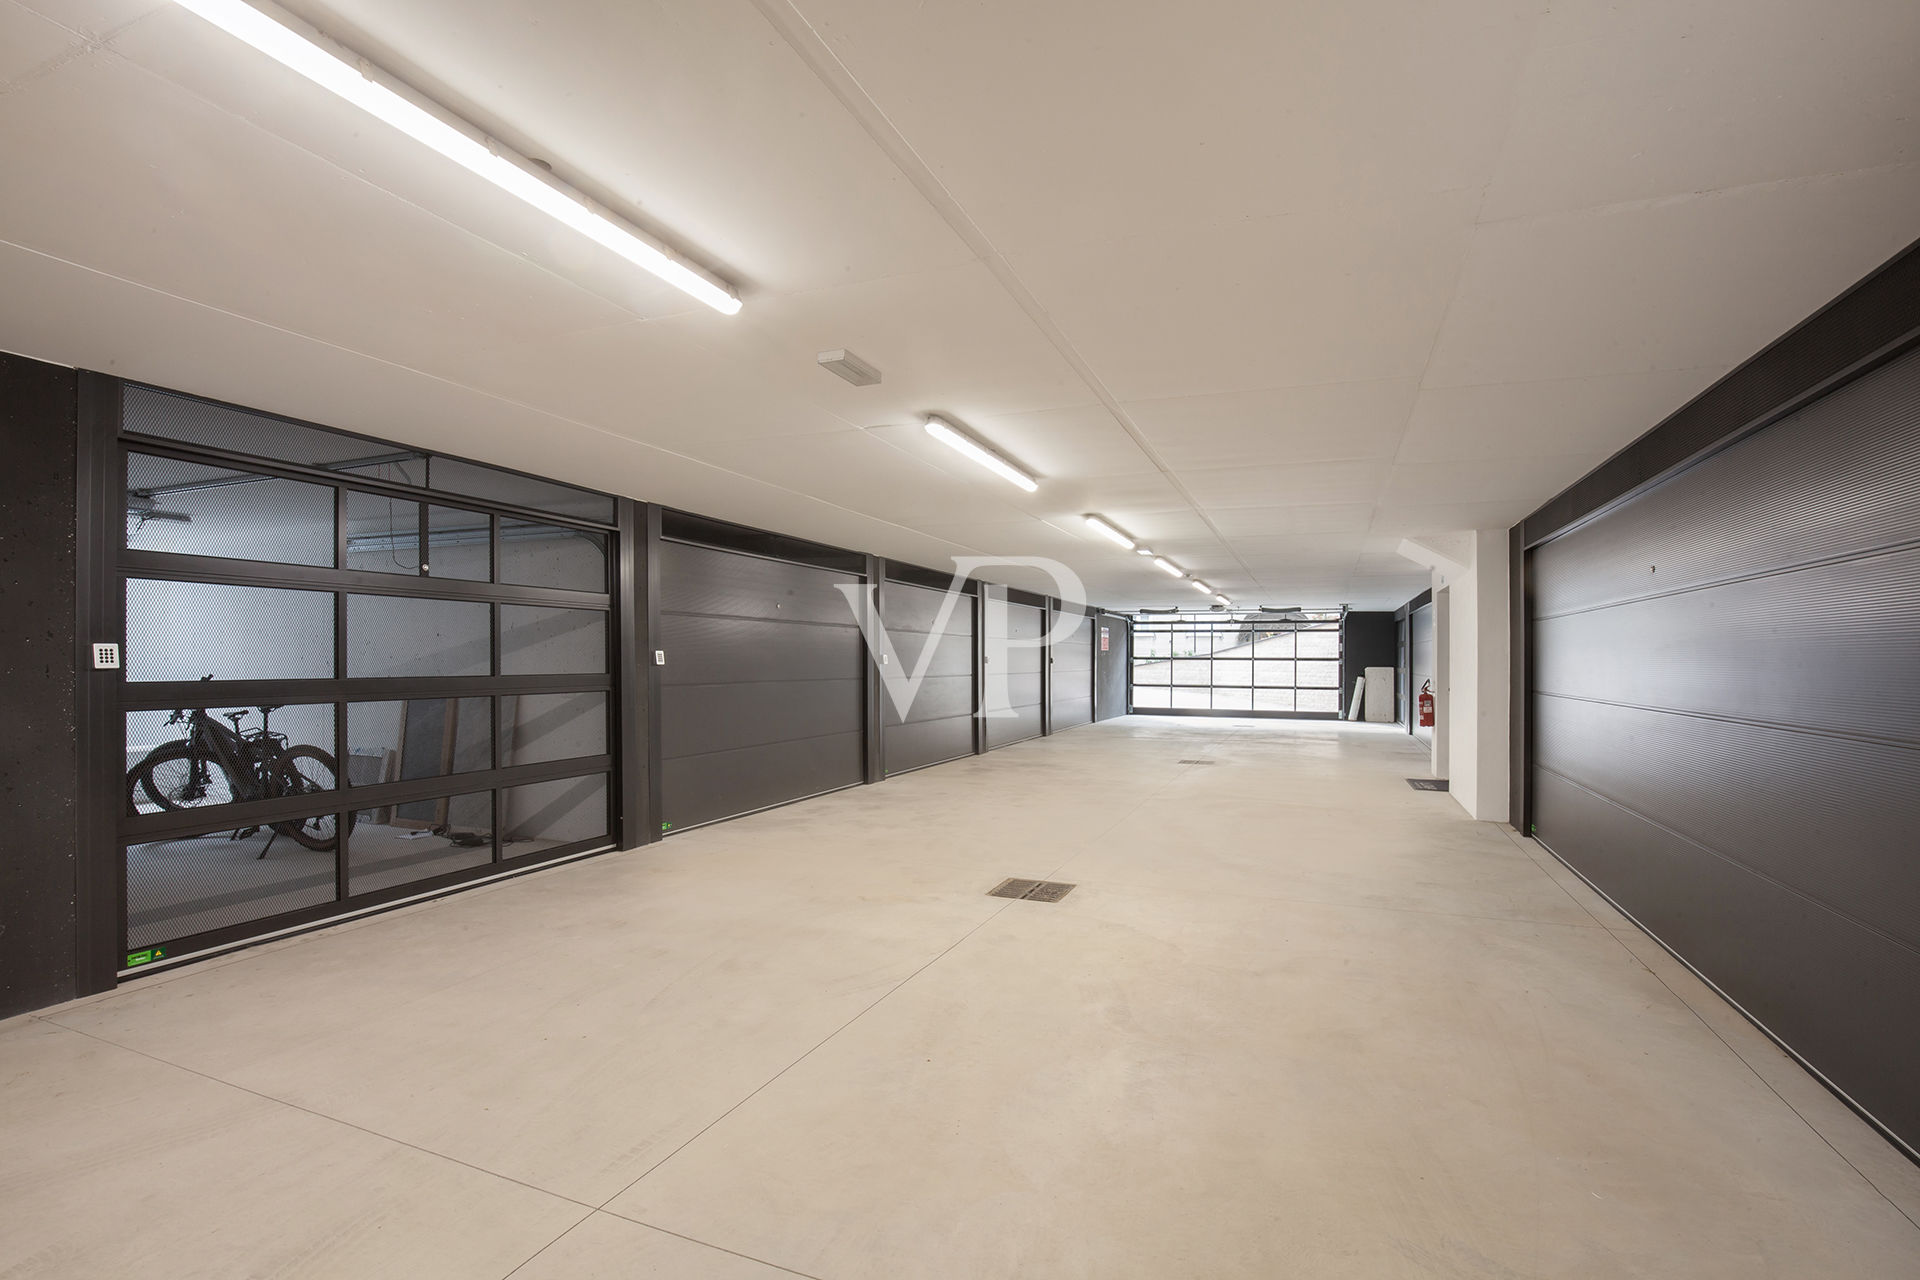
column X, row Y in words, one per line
column 1159, row 563
column 355, row 81
column 943, row 432
column 1202, row 587
column 1106, row 530
column 1143, row 551
column 1223, row 600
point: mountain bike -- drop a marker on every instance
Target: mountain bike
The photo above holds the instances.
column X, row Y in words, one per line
column 215, row 765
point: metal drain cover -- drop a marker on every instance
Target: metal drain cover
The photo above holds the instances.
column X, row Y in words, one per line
column 1031, row 890
column 1427, row 784
column 1196, row 762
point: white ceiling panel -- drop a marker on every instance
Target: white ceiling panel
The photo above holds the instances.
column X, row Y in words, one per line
column 121, row 171
column 948, row 340
column 29, row 42
column 259, row 98
column 1079, row 440
column 1001, row 537
column 1132, row 496
column 852, row 469
column 1163, row 528
column 1543, row 419
column 1061, row 495
column 1084, row 118
column 660, row 381
column 1351, row 272
column 1306, row 483
column 1278, row 425
column 1682, row 284
column 1327, row 295
column 1627, row 101
column 1342, row 517
column 689, row 114
column 1487, row 479
column 63, row 312
column 1344, row 547
column 92, row 19
column 1384, row 563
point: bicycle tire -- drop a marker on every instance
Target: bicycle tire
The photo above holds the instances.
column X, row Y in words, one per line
column 155, row 776
column 286, row 778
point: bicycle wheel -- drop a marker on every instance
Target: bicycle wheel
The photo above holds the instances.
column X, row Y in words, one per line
column 175, row 776
column 301, row 771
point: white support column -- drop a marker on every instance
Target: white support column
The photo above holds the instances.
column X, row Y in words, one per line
column 1472, row 747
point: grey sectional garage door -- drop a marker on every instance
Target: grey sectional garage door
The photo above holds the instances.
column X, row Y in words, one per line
column 1027, row 623
column 1727, row 725
column 763, row 693
column 1073, row 677
column 939, row 724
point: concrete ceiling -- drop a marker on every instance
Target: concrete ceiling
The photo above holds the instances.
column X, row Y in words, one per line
column 1270, row 284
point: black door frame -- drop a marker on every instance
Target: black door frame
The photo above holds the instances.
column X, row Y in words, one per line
column 104, row 564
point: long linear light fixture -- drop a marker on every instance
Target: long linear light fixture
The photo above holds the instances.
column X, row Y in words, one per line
column 1226, row 603
column 1166, row 566
column 945, row 432
column 1108, row 532
column 357, row 81
column 1202, row 587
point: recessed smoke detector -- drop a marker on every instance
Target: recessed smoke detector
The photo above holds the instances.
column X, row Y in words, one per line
column 849, row 366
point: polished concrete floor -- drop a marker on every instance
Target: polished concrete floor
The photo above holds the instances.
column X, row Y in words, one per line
column 1296, row 1020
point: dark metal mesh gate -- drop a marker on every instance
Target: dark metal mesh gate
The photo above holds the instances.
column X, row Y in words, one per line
column 352, row 672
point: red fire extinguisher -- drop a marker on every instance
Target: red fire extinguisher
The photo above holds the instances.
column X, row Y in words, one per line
column 1426, row 705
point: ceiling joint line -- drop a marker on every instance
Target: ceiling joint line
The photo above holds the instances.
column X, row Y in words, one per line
column 806, row 41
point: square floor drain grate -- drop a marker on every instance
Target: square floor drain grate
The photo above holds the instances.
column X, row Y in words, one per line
column 1196, row 762
column 1031, row 890
column 1427, row 784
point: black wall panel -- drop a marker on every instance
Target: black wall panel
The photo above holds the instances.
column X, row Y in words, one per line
column 1073, row 677
column 762, row 699
column 1726, row 724
column 1366, row 640
column 1022, row 671
column 39, row 755
column 939, row 724
column 1111, row 666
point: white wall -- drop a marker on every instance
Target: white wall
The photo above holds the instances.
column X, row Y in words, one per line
column 1472, row 745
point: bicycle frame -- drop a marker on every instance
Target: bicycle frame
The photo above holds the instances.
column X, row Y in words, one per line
column 236, row 755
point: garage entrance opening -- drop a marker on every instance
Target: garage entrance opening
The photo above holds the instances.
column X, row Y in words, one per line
column 1243, row 664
